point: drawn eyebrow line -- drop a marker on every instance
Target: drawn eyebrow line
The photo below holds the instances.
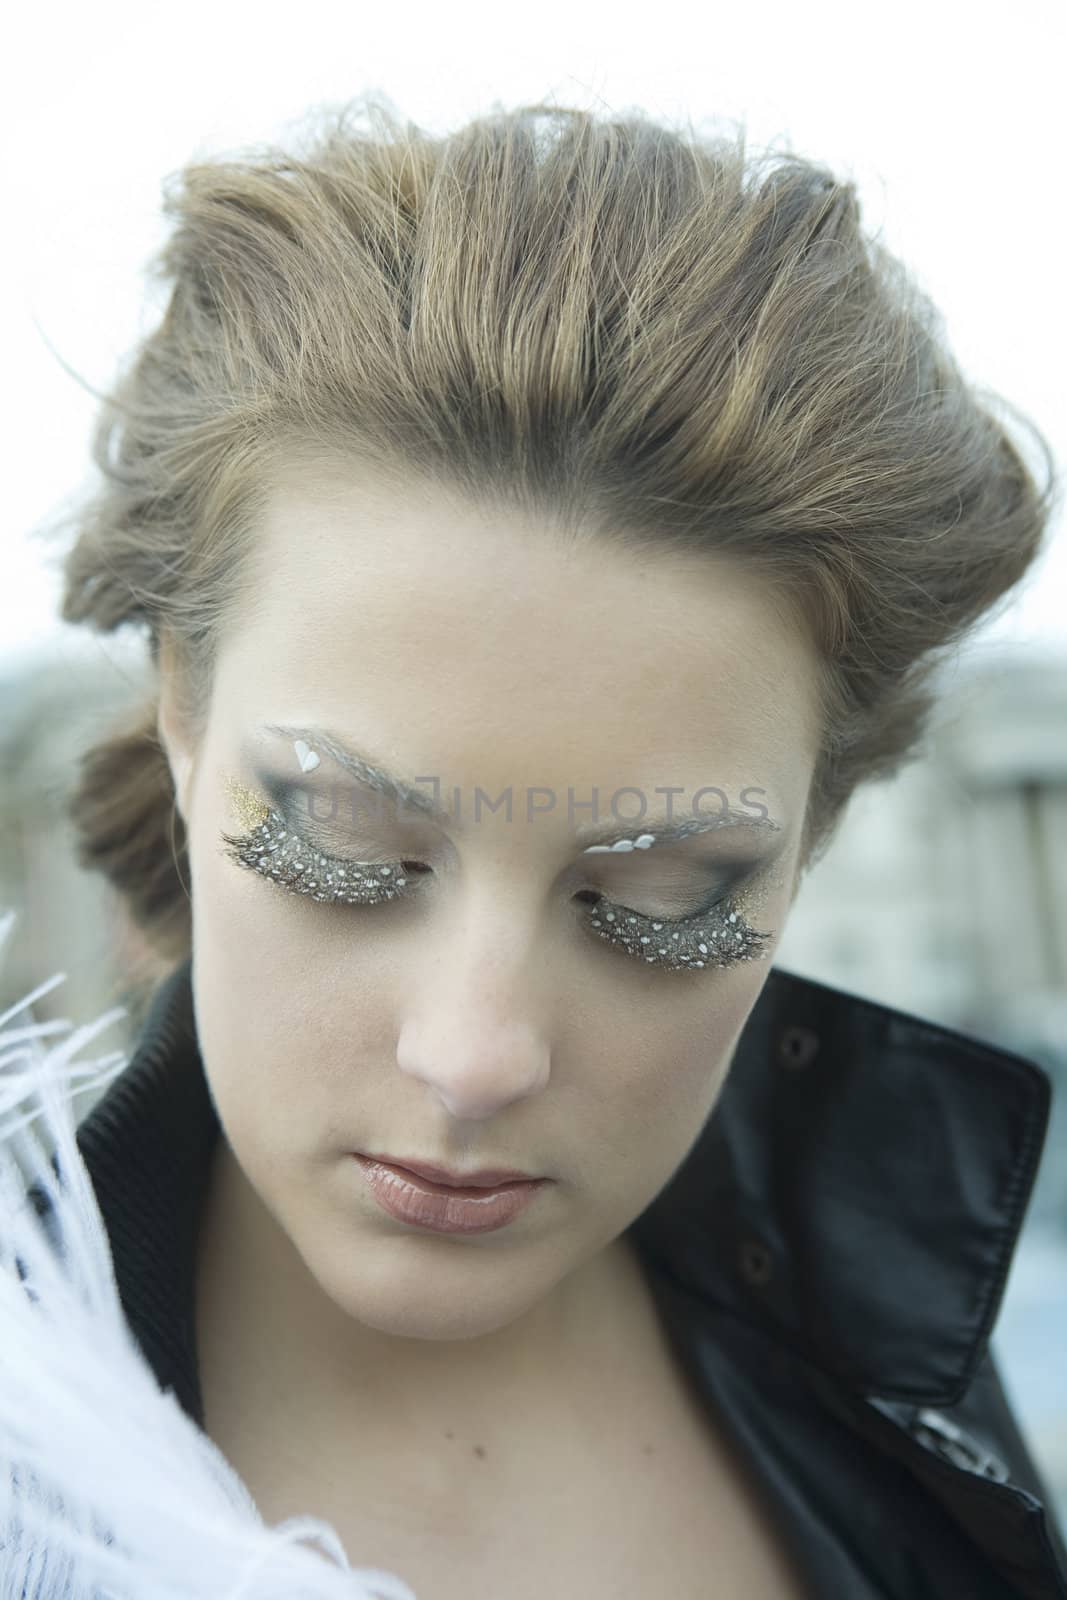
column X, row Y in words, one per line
column 402, row 790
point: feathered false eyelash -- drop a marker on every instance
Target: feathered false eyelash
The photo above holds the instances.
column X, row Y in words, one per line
column 715, row 937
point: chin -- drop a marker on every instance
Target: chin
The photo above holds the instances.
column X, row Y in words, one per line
column 461, row 1295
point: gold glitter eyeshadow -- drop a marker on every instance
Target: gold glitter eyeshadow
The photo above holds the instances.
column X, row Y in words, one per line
column 248, row 808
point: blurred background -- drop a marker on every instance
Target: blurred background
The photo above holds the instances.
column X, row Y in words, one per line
column 945, row 892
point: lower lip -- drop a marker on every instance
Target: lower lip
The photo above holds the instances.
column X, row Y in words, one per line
column 434, row 1205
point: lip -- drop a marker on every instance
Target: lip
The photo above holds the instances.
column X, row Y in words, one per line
column 444, row 1208
column 484, row 1178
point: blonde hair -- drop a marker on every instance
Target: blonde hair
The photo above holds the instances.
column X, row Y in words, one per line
column 599, row 320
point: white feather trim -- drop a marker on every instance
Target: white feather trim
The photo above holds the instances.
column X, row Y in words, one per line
column 108, row 1490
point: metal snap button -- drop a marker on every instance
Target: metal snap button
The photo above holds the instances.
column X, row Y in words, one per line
column 756, row 1260
column 798, row 1046
column 946, row 1439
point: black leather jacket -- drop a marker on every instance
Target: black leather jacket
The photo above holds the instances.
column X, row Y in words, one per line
column 829, row 1262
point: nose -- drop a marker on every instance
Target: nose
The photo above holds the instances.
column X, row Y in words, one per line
column 475, row 1067
column 473, row 1035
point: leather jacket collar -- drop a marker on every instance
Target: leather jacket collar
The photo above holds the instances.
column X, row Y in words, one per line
column 860, row 1186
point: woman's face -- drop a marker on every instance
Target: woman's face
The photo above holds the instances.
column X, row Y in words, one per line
column 500, row 1011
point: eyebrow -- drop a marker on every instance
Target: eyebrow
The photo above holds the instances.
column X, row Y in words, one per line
column 666, row 829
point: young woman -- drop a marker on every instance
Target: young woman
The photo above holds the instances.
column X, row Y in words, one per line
column 540, row 532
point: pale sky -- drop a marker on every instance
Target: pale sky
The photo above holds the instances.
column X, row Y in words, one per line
column 944, row 116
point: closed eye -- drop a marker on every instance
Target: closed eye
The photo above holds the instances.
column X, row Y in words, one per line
column 715, row 936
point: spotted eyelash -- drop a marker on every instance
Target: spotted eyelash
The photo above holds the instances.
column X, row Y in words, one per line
column 278, row 853
column 716, row 937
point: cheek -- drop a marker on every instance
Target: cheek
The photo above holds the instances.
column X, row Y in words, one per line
column 284, row 1029
column 656, row 1072
column 276, row 959
column 639, row 1097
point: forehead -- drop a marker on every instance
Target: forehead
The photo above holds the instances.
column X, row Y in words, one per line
column 376, row 610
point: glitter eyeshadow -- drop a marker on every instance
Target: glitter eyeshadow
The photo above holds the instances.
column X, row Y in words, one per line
column 717, row 937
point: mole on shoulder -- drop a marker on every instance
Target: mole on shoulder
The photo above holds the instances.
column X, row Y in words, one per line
column 479, row 1450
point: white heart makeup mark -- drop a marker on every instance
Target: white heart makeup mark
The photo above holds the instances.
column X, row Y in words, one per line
column 597, row 849
column 623, row 845
column 305, row 755
column 644, row 841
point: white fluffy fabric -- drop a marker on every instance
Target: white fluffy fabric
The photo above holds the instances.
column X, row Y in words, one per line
column 108, row 1490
